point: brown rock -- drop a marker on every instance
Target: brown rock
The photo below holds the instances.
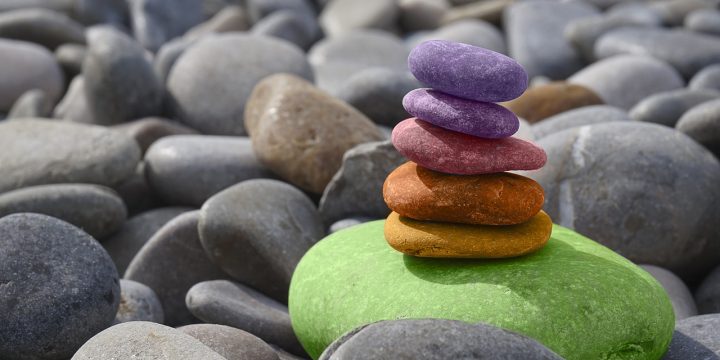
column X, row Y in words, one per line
column 444, row 240
column 488, row 199
column 546, row 100
column 301, row 133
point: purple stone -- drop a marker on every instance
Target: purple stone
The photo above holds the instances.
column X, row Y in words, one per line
column 481, row 119
column 467, row 71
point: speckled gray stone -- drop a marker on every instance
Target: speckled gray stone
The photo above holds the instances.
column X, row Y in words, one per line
column 148, row 130
column 201, row 79
column 356, row 189
column 586, row 115
column 378, row 93
column 343, row 16
column 175, row 246
column 59, row 287
column 434, row 339
column 535, row 39
column 144, row 340
column 32, row 104
column 41, row 26
column 707, row 295
column 688, row 52
column 669, row 181
column 37, row 152
column 704, row 21
column 120, row 84
column 233, row 304
column 696, row 338
column 707, row 78
column 189, row 169
column 680, row 296
column 231, row 343
column 25, row 66
column 137, row 231
column 624, row 80
column 666, row 108
column 702, row 123
column 95, row 209
column 243, row 227
column 138, row 303
column 471, row 31
column 154, row 22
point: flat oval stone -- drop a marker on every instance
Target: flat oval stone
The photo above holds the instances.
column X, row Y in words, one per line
column 455, row 153
column 467, row 71
column 546, row 100
column 25, row 66
column 444, row 240
column 488, row 199
column 482, row 119
column 606, row 306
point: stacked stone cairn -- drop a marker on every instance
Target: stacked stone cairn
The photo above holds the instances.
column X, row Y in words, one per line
column 455, row 197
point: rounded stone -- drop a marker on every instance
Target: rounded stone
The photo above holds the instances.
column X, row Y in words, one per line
column 543, row 101
column 342, row 16
column 32, row 104
column 707, row 295
column 587, row 115
column 595, row 174
column 451, row 152
column 473, row 32
column 703, row 21
column 625, row 312
column 481, row 119
column 206, row 73
column 299, row 28
column 702, row 123
column 41, row 26
column 260, row 224
column 138, row 302
column 421, row 14
column 155, row 22
column 303, row 147
column 488, row 199
column 443, row 240
column 467, row 71
column 667, row 108
column 434, row 339
column 231, row 343
column 25, row 66
column 95, row 209
column 37, row 152
column 707, row 78
column 59, row 287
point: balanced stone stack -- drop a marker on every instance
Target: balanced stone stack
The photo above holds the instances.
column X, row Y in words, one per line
column 455, row 197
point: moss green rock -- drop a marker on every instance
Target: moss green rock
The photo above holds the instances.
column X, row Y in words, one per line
column 575, row 296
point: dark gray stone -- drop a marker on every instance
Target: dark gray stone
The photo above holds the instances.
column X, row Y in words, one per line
column 136, row 193
column 74, row 105
column 338, row 58
column 584, row 32
column 422, row 14
column 341, row 17
column 148, row 130
column 666, row 108
column 138, row 303
column 378, row 93
column 707, row 78
column 189, row 169
column 202, row 78
column 120, row 84
column 356, row 189
column 170, row 263
column 586, row 115
column 535, row 36
column 95, row 209
column 37, row 152
column 71, row 57
column 688, row 52
column 682, row 300
column 644, row 190
column 707, row 295
column 231, row 343
column 431, row 339
column 91, row 12
column 702, row 123
column 41, row 26
column 25, row 66
column 696, row 338
column 144, row 340
column 229, row 303
column 32, row 104
column 471, row 31
column 258, row 230
column 300, row 29
column 624, row 80
column 137, row 231
column 155, row 22
column 59, row 287
column 704, row 21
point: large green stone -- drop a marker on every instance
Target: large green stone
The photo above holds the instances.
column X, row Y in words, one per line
column 575, row 296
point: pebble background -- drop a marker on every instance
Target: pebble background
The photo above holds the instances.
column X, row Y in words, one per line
column 165, row 164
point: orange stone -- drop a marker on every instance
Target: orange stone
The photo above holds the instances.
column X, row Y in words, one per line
column 447, row 240
column 488, row 199
column 546, row 100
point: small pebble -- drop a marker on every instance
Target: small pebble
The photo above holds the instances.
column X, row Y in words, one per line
column 41, row 26
column 668, row 107
column 25, row 66
column 702, row 123
column 342, row 16
column 543, row 101
column 32, row 104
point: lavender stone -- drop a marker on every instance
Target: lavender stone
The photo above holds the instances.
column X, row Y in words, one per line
column 467, row 71
column 481, row 119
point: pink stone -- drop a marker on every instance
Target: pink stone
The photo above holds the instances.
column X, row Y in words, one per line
column 452, row 152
